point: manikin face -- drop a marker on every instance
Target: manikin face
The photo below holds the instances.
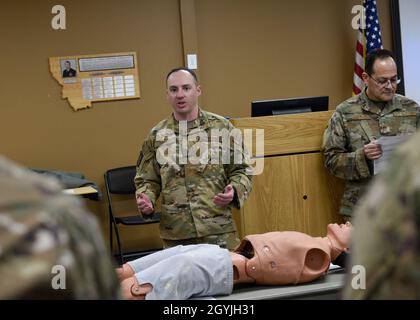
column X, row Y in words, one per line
column 340, row 233
column 182, row 94
column 382, row 83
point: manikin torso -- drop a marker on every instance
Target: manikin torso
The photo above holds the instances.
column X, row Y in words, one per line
column 287, row 257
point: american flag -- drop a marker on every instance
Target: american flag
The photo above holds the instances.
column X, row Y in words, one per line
column 368, row 39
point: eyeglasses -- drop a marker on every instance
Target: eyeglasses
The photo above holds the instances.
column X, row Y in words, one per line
column 382, row 82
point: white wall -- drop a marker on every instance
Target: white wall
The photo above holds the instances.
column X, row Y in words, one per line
column 410, row 43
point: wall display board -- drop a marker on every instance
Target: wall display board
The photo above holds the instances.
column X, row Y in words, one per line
column 100, row 77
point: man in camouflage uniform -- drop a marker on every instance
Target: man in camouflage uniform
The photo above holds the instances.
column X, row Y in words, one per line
column 197, row 196
column 50, row 245
column 386, row 235
column 350, row 144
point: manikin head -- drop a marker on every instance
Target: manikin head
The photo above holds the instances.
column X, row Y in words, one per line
column 339, row 236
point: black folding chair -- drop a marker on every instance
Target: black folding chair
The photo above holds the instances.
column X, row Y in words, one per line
column 120, row 181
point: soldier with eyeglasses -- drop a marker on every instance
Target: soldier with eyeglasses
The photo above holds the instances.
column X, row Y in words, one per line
column 350, row 139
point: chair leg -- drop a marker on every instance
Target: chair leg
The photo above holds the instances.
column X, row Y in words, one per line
column 111, row 244
column 117, row 234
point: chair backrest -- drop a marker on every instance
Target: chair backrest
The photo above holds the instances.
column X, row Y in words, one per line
column 121, row 180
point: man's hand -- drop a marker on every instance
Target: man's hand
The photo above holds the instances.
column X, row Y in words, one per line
column 372, row 150
column 144, row 204
column 223, row 199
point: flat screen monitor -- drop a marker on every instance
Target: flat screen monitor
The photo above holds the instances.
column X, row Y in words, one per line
column 288, row 106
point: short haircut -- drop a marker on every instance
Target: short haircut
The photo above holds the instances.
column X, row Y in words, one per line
column 379, row 54
column 183, row 69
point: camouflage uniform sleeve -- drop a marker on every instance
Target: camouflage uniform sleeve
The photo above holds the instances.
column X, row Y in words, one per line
column 239, row 175
column 338, row 160
column 385, row 238
column 56, row 257
column 147, row 179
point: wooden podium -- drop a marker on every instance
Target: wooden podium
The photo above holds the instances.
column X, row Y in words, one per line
column 294, row 191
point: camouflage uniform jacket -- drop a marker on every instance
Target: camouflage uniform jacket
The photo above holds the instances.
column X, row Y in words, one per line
column 50, row 245
column 356, row 122
column 386, row 238
column 188, row 189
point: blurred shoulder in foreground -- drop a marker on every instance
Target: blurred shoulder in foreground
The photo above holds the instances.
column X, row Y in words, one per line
column 386, row 241
column 50, row 245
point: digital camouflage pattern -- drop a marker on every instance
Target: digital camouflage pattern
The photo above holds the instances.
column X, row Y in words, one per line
column 356, row 122
column 386, row 238
column 188, row 189
column 44, row 232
